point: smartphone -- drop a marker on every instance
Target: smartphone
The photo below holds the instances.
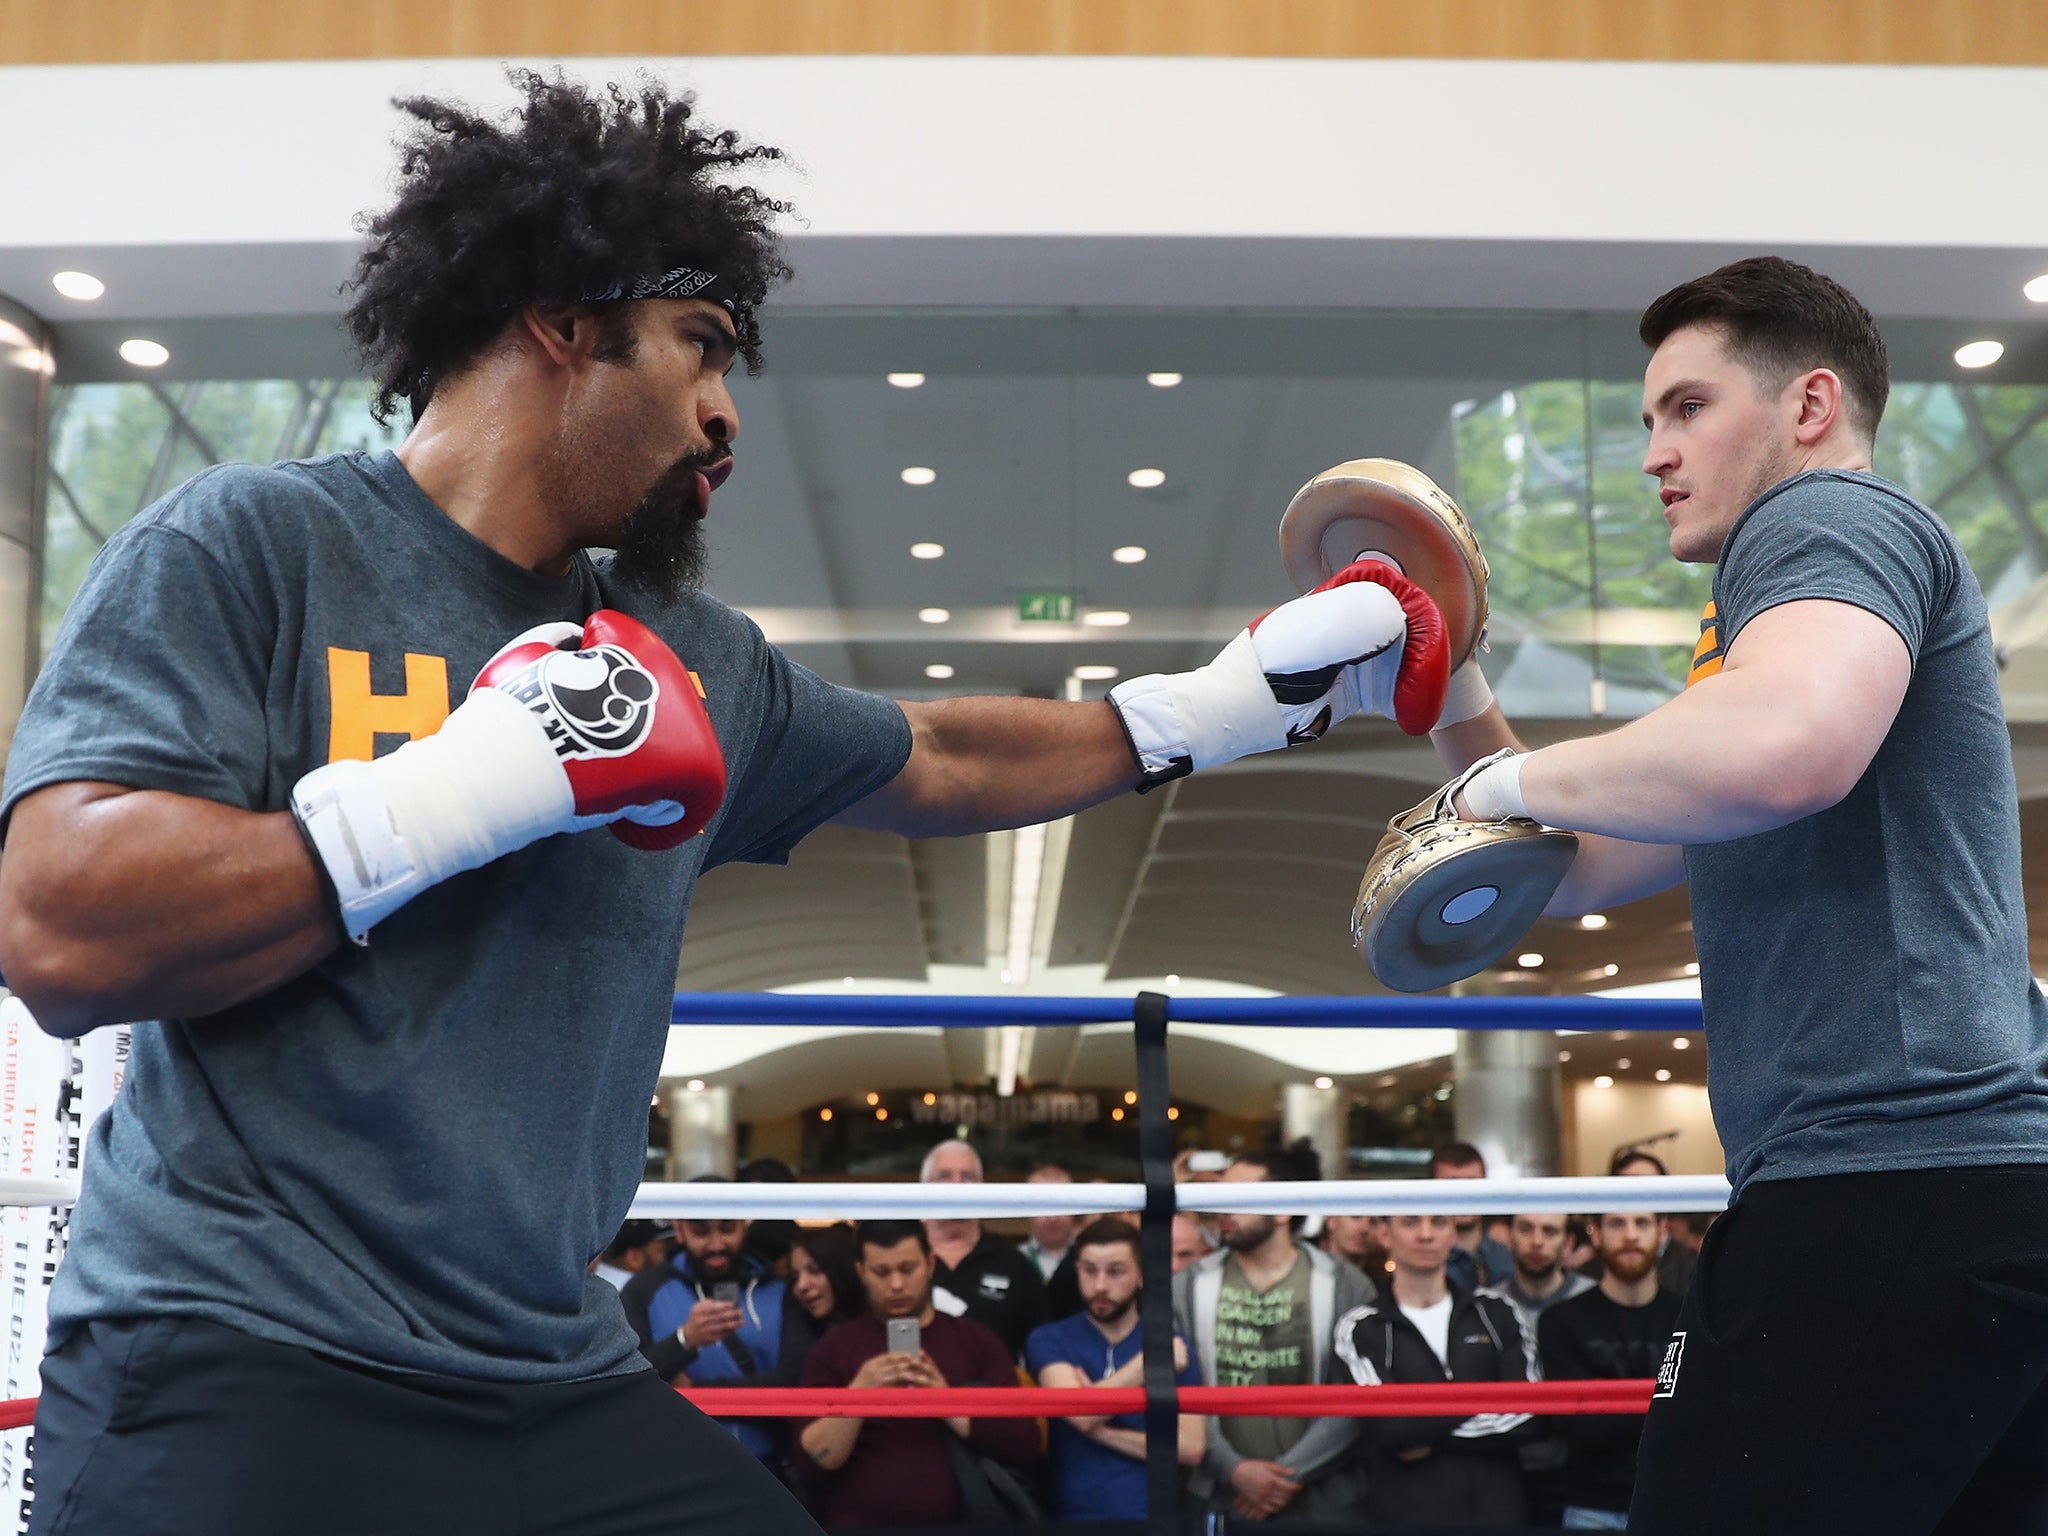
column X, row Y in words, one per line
column 1207, row 1162
column 727, row 1291
column 905, row 1336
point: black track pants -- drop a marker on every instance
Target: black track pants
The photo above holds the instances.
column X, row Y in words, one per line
column 1864, row 1354
column 176, row 1427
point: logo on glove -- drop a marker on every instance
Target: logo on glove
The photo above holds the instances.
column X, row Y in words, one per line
column 594, row 703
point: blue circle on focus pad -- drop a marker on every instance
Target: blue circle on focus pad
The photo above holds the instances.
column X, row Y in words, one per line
column 1466, row 905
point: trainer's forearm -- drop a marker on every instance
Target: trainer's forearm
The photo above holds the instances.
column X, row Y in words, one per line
column 1725, row 759
column 978, row 764
column 120, row 904
column 1460, row 746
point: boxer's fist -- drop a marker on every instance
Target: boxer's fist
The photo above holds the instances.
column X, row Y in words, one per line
column 626, row 722
column 1368, row 638
column 1365, row 639
column 564, row 730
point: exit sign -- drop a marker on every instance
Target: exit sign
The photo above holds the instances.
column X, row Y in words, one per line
column 1046, row 607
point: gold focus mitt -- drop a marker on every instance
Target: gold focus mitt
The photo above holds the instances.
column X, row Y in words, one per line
column 1444, row 898
column 1390, row 511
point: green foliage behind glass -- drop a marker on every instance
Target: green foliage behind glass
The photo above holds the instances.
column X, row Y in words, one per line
column 117, row 448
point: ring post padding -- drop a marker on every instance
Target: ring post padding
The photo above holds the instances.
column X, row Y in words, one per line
column 1155, row 1260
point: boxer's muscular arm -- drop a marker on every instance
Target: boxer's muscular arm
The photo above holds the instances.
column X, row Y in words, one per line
column 1608, row 871
column 120, row 904
column 977, row 764
column 1785, row 729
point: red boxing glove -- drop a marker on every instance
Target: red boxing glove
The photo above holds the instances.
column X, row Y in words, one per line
column 1422, row 670
column 627, row 722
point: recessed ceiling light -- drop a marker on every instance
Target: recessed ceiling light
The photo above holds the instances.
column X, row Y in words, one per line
column 1564, row 1055
column 2037, row 290
column 938, row 671
column 1603, row 1081
column 1324, row 1082
column 1663, row 1074
column 1681, row 1044
column 1530, row 961
column 1172, row 980
column 145, row 354
column 1147, row 479
column 1106, row 618
column 1095, row 672
column 1623, row 1063
column 1168, row 380
column 919, row 474
column 82, row 286
column 1979, row 354
column 934, row 615
column 1594, row 921
column 1692, row 967
column 1610, row 969
column 906, row 380
column 1128, row 554
column 696, row 1085
column 926, row 551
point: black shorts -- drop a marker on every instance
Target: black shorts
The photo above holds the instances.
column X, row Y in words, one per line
column 177, row 1427
column 1864, row 1354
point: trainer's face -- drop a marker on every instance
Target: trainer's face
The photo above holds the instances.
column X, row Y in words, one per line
column 1628, row 1243
column 1538, row 1244
column 899, row 1278
column 713, row 1246
column 1108, row 1275
column 1718, row 439
column 646, row 436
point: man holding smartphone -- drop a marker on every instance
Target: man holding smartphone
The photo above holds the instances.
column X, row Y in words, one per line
column 900, row 1471
column 714, row 1315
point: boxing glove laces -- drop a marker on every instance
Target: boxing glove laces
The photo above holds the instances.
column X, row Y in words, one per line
column 1368, row 638
column 566, row 728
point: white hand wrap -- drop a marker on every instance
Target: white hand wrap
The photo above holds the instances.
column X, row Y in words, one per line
column 1494, row 791
column 1181, row 721
column 1467, row 697
column 484, row 784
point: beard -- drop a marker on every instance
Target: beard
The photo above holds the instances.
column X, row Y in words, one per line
column 1529, row 1273
column 661, row 544
column 1245, row 1233
column 1107, row 1309
column 1629, row 1264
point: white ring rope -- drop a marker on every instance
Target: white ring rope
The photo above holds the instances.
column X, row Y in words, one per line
column 16, row 1190
column 1329, row 1197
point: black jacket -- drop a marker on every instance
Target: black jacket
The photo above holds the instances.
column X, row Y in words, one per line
column 1471, row 1477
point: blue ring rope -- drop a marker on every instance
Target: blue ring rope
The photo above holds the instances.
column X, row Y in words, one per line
column 874, row 1010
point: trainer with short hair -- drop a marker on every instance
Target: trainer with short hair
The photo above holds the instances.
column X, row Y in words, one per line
column 378, row 784
column 1835, row 787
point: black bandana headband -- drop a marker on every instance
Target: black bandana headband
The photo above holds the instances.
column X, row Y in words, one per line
column 680, row 283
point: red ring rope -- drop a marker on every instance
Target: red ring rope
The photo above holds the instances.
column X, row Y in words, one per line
column 1444, row 1399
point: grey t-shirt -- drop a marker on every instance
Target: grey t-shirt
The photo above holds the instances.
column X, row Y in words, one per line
column 406, row 1156
column 1868, row 999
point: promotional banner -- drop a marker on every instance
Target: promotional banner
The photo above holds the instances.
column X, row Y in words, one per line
column 50, row 1091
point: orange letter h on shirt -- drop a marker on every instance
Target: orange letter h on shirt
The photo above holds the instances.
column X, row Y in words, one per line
column 359, row 716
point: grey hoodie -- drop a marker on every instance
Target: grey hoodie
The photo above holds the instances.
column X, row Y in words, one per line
column 1321, row 1458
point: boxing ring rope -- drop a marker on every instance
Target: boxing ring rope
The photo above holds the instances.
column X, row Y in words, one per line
column 1160, row 1399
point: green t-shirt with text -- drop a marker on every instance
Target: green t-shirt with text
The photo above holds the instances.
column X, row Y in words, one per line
column 1263, row 1339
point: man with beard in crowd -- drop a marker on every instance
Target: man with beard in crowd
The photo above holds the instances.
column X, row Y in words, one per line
column 1616, row 1331
column 714, row 1316
column 1261, row 1311
column 1098, row 1460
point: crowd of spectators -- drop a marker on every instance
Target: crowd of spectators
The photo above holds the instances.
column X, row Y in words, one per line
column 1258, row 1300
